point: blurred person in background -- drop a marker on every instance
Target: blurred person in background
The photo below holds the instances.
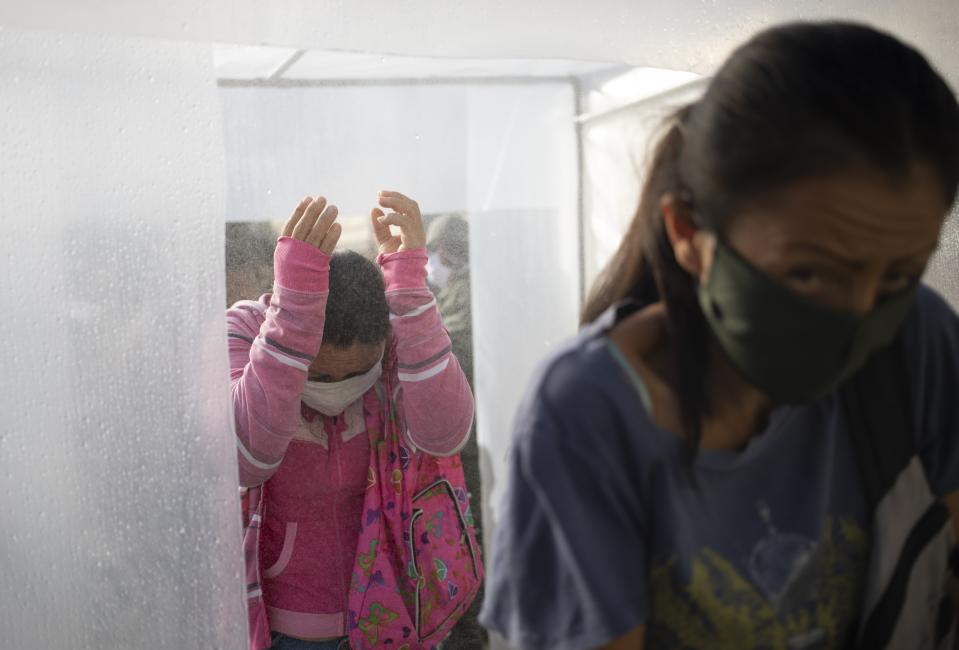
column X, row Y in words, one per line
column 249, row 260
column 447, row 243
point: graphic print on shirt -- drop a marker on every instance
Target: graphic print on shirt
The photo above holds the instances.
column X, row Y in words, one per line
column 797, row 594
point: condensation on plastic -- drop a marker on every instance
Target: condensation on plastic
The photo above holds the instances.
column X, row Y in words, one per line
column 123, row 531
column 117, row 468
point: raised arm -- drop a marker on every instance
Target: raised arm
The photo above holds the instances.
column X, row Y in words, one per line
column 437, row 401
column 273, row 341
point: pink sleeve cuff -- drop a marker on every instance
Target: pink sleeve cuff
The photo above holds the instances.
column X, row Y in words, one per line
column 404, row 269
column 300, row 266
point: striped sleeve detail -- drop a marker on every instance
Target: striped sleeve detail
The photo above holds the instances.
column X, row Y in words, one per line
column 251, row 306
column 268, row 347
column 433, row 359
column 445, row 450
column 252, row 460
column 279, row 356
column 409, row 377
column 436, row 400
column 416, row 311
column 285, row 350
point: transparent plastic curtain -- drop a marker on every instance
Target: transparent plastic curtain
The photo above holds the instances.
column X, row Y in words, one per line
column 502, row 154
column 523, row 206
column 119, row 503
column 692, row 36
column 617, row 146
column 346, row 142
column 118, row 487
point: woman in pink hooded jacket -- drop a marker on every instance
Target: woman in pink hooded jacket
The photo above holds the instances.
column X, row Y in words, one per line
column 305, row 363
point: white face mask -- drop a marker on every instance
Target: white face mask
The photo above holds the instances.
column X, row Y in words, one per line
column 438, row 273
column 332, row 397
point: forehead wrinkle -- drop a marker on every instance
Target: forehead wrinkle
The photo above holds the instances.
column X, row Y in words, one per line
column 856, row 219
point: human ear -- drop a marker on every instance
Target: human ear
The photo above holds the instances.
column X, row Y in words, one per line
column 682, row 232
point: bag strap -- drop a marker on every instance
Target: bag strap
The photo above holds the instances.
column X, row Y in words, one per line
column 878, row 410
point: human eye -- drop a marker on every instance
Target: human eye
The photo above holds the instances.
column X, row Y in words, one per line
column 899, row 280
column 808, row 279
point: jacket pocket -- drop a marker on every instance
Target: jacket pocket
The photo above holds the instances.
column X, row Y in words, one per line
column 444, row 562
column 286, row 552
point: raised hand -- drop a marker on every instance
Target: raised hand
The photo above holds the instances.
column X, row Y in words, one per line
column 405, row 214
column 314, row 222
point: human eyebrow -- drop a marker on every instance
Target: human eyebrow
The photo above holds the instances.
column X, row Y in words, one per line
column 831, row 255
column 838, row 257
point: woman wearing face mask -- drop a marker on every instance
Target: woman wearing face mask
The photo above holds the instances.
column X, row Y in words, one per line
column 310, row 366
column 686, row 472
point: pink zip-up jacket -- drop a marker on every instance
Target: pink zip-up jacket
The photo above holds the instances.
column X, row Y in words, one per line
column 312, row 468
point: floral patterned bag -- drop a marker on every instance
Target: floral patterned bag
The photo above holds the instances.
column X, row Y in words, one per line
column 418, row 565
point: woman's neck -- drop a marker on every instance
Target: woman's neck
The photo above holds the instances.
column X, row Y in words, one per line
column 735, row 410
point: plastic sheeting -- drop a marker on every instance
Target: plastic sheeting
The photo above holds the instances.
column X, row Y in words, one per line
column 524, row 253
column 502, row 154
column 116, row 462
column 616, row 148
column 680, row 35
column 345, row 143
column 117, row 468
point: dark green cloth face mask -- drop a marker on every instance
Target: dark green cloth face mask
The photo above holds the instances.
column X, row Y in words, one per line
column 789, row 347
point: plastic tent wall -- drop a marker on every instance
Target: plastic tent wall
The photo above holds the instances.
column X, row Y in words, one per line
column 117, row 471
column 502, row 153
column 682, row 35
column 116, row 463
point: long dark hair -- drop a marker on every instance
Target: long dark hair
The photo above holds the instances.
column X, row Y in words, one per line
column 795, row 102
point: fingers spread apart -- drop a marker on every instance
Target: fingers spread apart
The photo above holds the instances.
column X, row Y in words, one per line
column 295, row 217
column 309, row 219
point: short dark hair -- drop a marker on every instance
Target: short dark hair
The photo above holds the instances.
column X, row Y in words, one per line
column 797, row 101
column 356, row 311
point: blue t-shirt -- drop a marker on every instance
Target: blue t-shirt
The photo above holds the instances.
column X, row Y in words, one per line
column 604, row 528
